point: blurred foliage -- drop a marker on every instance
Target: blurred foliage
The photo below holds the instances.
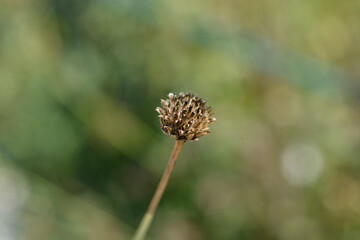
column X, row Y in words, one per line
column 81, row 151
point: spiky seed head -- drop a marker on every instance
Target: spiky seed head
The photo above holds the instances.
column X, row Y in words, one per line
column 185, row 117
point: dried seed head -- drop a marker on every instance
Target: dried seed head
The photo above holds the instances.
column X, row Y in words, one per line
column 185, row 117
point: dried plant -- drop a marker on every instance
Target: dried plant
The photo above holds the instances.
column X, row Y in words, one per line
column 185, row 118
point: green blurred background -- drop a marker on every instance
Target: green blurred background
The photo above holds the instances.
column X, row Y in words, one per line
column 81, row 151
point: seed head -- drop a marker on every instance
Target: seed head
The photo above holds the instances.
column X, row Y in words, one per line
column 185, row 117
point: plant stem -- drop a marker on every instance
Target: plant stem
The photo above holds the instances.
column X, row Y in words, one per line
column 147, row 219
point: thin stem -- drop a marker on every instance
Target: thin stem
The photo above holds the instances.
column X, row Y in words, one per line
column 147, row 219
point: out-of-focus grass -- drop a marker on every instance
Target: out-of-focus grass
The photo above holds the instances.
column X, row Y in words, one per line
column 80, row 148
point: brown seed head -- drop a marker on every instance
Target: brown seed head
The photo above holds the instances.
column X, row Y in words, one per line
column 185, row 117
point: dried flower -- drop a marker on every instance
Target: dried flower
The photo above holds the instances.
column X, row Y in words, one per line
column 185, row 117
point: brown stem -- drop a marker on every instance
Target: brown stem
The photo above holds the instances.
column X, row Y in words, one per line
column 147, row 219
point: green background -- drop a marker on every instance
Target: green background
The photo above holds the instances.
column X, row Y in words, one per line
column 81, row 151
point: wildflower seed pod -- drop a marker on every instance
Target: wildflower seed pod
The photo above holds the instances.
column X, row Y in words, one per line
column 185, row 117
